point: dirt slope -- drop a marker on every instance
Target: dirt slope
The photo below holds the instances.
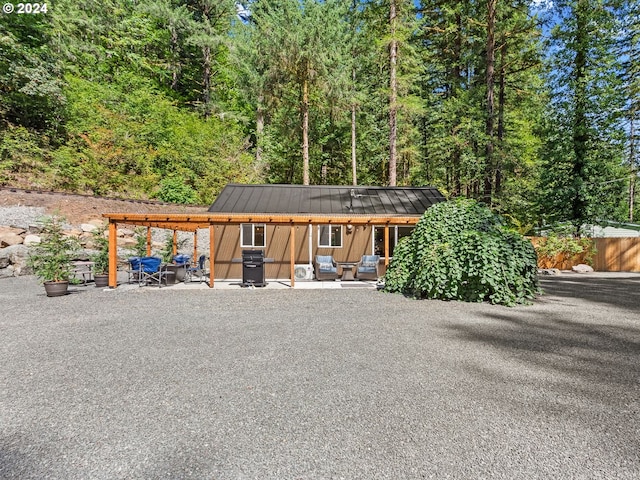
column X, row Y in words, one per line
column 82, row 208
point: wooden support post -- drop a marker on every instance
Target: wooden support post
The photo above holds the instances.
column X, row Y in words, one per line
column 386, row 245
column 195, row 246
column 175, row 243
column 148, row 241
column 211, row 256
column 292, row 258
column 113, row 255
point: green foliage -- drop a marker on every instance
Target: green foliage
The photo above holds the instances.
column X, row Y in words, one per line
column 101, row 246
column 174, row 190
column 139, row 249
column 51, row 259
column 460, row 250
column 167, row 250
column 558, row 247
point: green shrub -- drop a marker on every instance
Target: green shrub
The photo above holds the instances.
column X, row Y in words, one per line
column 460, row 250
column 51, row 259
column 561, row 248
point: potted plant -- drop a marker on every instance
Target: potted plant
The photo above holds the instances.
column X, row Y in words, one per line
column 100, row 258
column 51, row 259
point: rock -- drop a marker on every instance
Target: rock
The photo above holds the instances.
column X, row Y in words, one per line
column 8, row 271
column 13, row 261
column 582, row 268
column 88, row 227
column 6, row 229
column 549, row 271
column 126, row 242
column 7, row 239
column 31, row 240
column 34, row 229
column 125, row 232
column 97, row 222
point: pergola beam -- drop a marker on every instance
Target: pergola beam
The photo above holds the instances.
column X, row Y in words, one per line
column 192, row 222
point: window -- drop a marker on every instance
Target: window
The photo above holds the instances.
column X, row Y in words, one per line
column 252, row 235
column 395, row 234
column 330, row 236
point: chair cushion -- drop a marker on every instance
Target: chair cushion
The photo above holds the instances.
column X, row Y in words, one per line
column 364, row 269
column 369, row 264
column 327, row 267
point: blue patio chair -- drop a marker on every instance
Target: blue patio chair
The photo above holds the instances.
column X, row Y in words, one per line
column 368, row 267
column 325, row 267
column 198, row 269
column 147, row 270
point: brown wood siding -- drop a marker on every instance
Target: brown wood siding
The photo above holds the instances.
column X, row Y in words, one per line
column 227, row 240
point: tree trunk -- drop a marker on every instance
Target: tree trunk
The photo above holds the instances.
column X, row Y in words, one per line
column 354, row 177
column 259, row 129
column 501, row 105
column 491, row 43
column 632, row 164
column 305, row 131
column 206, row 80
column 580, row 122
column 393, row 97
column 455, row 87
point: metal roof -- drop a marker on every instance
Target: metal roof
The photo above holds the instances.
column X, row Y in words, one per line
column 325, row 200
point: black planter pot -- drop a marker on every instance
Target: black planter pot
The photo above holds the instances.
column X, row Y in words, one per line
column 56, row 289
column 101, row 280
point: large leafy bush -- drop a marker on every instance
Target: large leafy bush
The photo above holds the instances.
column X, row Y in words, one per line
column 460, row 250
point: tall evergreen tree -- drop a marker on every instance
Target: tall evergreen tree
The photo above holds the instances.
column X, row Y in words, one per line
column 584, row 151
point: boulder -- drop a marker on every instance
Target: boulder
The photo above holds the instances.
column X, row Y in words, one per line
column 582, row 268
column 7, row 239
column 6, row 229
column 31, row 239
column 13, row 261
column 88, row 227
column 549, row 271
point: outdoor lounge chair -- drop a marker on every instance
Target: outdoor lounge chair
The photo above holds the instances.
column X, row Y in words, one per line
column 198, row 270
column 146, row 270
column 368, row 267
column 325, row 267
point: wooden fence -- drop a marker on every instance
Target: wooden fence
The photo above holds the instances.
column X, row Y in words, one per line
column 613, row 255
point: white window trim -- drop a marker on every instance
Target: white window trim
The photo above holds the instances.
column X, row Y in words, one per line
column 253, row 233
column 320, row 236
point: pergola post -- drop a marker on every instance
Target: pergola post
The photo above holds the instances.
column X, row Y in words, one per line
column 175, row 243
column 386, row 245
column 211, row 256
column 292, row 255
column 113, row 255
column 195, row 245
column 148, row 241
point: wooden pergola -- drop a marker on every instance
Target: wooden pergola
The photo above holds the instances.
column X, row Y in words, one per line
column 194, row 222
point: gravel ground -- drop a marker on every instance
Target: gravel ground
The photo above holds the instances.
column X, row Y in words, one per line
column 20, row 216
column 319, row 384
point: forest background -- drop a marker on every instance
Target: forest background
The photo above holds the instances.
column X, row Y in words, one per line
column 531, row 107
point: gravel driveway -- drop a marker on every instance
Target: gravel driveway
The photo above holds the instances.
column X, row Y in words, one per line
column 319, row 384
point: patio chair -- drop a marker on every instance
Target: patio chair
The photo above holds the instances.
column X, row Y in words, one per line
column 325, row 267
column 134, row 270
column 198, row 270
column 368, row 267
column 147, row 270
